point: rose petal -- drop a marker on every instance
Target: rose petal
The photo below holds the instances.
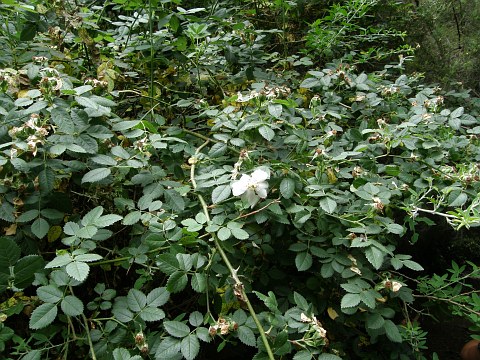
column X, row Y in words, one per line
column 240, row 186
column 261, row 189
column 251, row 197
column 260, row 175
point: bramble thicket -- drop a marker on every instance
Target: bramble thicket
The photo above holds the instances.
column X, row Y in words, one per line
column 232, row 179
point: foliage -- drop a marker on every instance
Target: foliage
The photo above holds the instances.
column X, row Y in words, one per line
column 169, row 184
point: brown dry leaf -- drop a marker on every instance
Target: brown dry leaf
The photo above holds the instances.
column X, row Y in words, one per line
column 11, row 230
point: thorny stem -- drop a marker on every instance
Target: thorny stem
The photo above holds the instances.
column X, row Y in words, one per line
column 449, row 301
column 239, row 289
column 258, row 210
column 433, row 212
column 124, row 258
column 87, row 331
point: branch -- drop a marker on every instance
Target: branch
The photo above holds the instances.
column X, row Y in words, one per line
column 449, row 301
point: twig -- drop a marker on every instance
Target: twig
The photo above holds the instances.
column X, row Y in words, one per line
column 450, row 301
column 433, row 212
column 276, row 201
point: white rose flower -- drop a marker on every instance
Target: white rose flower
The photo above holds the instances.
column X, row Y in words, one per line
column 253, row 187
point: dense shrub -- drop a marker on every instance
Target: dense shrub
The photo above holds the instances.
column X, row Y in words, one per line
column 168, row 182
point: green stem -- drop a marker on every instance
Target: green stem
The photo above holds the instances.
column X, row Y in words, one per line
column 239, row 289
column 90, row 343
column 124, row 258
column 87, row 331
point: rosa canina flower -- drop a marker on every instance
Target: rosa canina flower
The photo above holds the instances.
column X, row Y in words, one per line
column 253, row 187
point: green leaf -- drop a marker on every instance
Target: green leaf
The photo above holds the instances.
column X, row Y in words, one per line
column 350, row 301
column 328, row 205
column 329, row 357
column 88, row 257
column 199, row 282
column 121, row 354
column 221, row 193
column 174, row 200
column 132, row 218
column 203, row 334
column 246, row 335
column 176, row 328
column 192, row 225
column 40, row 228
column 46, row 180
column 86, row 232
column 217, row 150
column 185, row 261
column 303, row 355
column 125, row 125
column 395, row 229
column 49, row 294
column 303, row 261
column 25, row 269
column 158, row 297
column 167, row 263
column 152, row 314
column 224, row 234
column 392, row 331
column 78, row 270
column 195, row 318
column 190, row 346
column 9, row 254
column 59, row 261
column 374, row 257
column 120, row 152
column 6, row 212
column 96, row 175
column 71, row 305
column 92, row 216
column 104, row 160
column 32, row 355
column 52, row 214
column 57, row 149
column 266, row 132
column 136, row 300
column 310, row 83
column 122, row 314
column 287, row 188
column 275, row 110
column 300, row 301
column 270, row 301
column 457, row 112
column 168, row 349
column 239, row 234
column 70, row 228
column 375, row 321
column 29, row 31
column 76, row 148
column 86, row 102
column 28, row 216
column 43, row 316
column 107, row 220
column 459, row 201
column 413, row 265
column 177, row 282
column 368, row 298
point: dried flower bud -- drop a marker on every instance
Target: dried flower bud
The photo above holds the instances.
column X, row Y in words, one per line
column 212, row 330
column 139, row 338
